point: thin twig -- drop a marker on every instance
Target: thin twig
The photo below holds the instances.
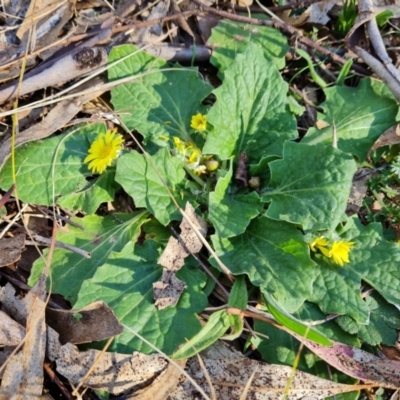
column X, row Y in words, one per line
column 61, row 245
column 378, row 68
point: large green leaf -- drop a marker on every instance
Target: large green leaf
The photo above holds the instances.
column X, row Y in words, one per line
column 337, row 289
column 383, row 324
column 139, row 179
column 34, row 165
column 99, row 237
column 251, row 112
column 97, row 191
column 275, row 257
column 158, row 103
column 310, row 185
column 230, row 38
column 357, row 115
column 125, row 282
column 231, row 213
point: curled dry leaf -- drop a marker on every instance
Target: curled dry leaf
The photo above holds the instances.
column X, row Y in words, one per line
column 97, row 322
column 168, row 290
column 115, row 373
column 389, row 137
column 357, row 363
column 11, row 249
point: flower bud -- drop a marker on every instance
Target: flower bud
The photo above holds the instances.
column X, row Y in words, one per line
column 211, row 165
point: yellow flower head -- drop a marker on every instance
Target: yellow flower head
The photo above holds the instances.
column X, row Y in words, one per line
column 103, row 151
column 318, row 244
column 340, row 252
column 195, row 155
column 181, row 146
column 199, row 122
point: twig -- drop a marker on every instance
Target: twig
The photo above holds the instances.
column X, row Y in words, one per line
column 292, row 6
column 378, row 68
column 282, row 26
column 61, row 245
column 66, row 220
column 54, row 378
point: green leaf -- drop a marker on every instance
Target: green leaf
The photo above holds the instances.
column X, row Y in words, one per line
column 383, row 324
column 34, row 163
column 97, row 191
column 230, row 38
column 282, row 348
column 158, row 103
column 215, row 327
column 139, row 179
column 238, row 296
column 337, row 289
column 125, row 283
column 315, row 77
column 100, row 236
column 231, row 213
column 251, row 113
column 358, row 116
column 275, row 257
column 310, row 186
column 294, row 324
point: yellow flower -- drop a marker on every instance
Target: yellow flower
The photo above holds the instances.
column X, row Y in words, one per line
column 103, row 151
column 199, row 122
column 180, row 146
column 340, row 252
column 320, row 243
column 195, row 155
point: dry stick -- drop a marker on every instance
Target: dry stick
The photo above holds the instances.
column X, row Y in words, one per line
column 61, row 245
column 54, row 378
column 379, row 70
column 376, row 39
column 286, row 28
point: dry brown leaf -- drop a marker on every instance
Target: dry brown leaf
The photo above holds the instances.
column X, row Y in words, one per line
column 115, row 373
column 389, row 137
column 357, row 192
column 231, row 373
column 180, row 20
column 98, row 322
column 241, row 170
column 357, row 363
column 11, row 332
column 44, row 26
column 23, row 374
column 162, row 385
column 321, row 124
column 11, row 249
column 168, row 290
column 318, row 12
column 147, row 35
